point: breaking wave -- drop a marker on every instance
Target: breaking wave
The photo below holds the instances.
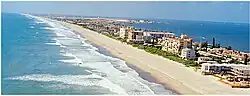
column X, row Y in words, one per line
column 107, row 72
column 83, row 80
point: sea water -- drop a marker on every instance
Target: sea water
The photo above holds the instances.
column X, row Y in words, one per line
column 40, row 56
column 226, row 34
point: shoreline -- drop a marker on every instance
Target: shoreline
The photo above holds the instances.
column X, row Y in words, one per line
column 166, row 72
column 144, row 75
column 129, row 64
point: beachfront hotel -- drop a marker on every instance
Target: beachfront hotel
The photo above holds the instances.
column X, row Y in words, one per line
column 148, row 37
column 139, row 35
column 159, row 35
column 135, row 35
column 122, row 32
column 176, row 45
column 151, row 36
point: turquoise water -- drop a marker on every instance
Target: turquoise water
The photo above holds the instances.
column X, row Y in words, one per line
column 43, row 57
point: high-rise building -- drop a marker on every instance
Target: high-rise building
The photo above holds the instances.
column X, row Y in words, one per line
column 176, row 45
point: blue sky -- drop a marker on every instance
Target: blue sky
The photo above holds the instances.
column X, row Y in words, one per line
column 204, row 11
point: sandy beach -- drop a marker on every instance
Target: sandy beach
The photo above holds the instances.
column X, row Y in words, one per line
column 172, row 74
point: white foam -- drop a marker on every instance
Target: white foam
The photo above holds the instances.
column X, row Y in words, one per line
column 49, row 28
column 71, row 61
column 83, row 80
column 62, row 46
column 56, row 43
column 76, row 60
column 106, row 69
column 68, row 54
column 58, row 34
column 129, row 81
column 39, row 22
column 68, row 39
column 32, row 27
column 85, row 44
column 78, row 36
column 89, row 71
column 89, row 45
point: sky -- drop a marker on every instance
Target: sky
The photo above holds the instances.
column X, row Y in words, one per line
column 202, row 11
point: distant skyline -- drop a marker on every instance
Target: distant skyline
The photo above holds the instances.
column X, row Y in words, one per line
column 201, row 11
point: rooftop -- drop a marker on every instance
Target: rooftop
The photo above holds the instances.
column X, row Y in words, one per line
column 229, row 65
column 160, row 33
column 246, row 67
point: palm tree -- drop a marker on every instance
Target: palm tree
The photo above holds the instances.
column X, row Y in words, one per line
column 204, row 45
column 213, row 43
column 246, row 59
column 229, row 48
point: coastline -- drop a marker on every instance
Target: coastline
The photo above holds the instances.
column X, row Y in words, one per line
column 144, row 75
column 172, row 74
column 198, row 37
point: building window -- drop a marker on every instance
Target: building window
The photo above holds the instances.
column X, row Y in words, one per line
column 206, row 67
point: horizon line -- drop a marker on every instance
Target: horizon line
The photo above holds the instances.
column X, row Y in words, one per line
column 129, row 18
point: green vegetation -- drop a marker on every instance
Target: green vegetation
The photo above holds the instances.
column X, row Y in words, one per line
column 84, row 26
column 217, row 46
column 204, row 45
column 219, row 61
column 140, row 47
column 235, row 61
column 158, row 51
column 110, row 36
column 165, row 54
column 229, row 48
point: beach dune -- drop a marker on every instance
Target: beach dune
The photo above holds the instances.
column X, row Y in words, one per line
column 172, row 74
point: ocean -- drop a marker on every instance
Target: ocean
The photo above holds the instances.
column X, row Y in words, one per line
column 42, row 57
column 235, row 35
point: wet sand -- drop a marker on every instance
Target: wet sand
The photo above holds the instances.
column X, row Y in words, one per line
column 167, row 72
column 145, row 75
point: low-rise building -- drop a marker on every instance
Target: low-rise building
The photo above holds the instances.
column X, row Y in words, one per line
column 204, row 53
column 207, row 68
column 243, row 70
column 188, row 53
column 204, row 59
column 234, row 69
column 237, row 55
column 211, row 62
column 135, row 36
